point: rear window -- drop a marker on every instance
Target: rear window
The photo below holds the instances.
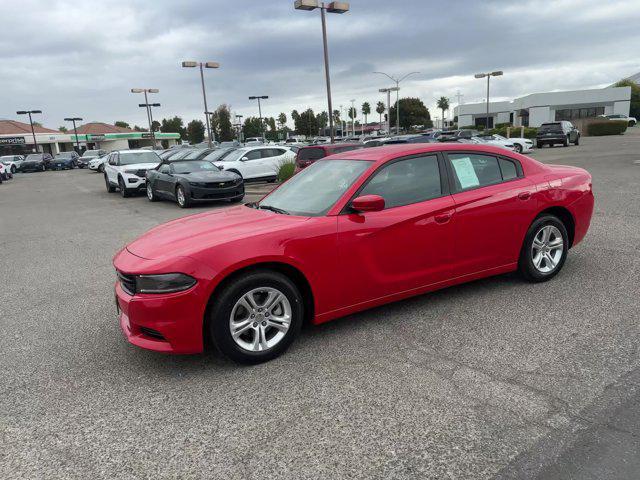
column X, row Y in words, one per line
column 311, row 153
column 344, row 149
column 550, row 127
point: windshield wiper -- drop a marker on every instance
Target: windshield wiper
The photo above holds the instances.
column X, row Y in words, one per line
column 273, row 209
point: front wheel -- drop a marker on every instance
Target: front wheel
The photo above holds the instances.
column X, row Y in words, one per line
column 182, row 198
column 256, row 317
column 517, row 147
column 123, row 188
column 101, row 169
column 544, row 250
column 150, row 195
column 13, row 169
column 110, row 188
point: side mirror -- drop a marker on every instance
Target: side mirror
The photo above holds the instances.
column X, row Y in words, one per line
column 368, row 203
column 244, row 159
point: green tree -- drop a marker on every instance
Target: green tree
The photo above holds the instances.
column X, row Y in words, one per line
column 195, row 131
column 155, row 126
column 634, row 110
column 380, row 109
column 173, row 125
column 366, row 110
column 282, row 120
column 63, row 129
column 121, row 124
column 272, row 124
column 322, row 120
column 412, row 112
column 443, row 104
column 306, row 123
column 221, row 125
column 137, row 128
column 336, row 116
column 353, row 113
column 252, row 127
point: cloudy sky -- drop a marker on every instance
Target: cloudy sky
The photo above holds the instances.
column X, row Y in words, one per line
column 82, row 58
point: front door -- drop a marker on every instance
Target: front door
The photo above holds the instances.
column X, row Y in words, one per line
column 409, row 244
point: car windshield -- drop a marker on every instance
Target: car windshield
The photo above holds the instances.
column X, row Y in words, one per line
column 6, row 158
column 34, row 156
column 314, row 190
column 91, row 153
column 218, row 154
column 131, row 158
column 194, row 166
column 65, row 155
column 235, row 155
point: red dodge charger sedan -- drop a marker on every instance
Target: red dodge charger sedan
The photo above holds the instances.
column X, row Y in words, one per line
column 350, row 232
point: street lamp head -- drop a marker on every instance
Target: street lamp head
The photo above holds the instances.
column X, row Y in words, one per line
column 36, row 111
column 154, row 105
column 153, row 90
column 21, row 112
column 189, row 64
column 480, row 75
column 496, row 74
column 137, row 90
column 211, row 65
column 338, row 7
column 73, row 119
column 305, row 4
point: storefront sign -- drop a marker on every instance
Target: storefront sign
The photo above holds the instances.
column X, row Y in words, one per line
column 12, row 141
column 96, row 138
column 146, row 135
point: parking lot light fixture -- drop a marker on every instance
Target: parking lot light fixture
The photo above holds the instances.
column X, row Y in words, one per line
column 331, row 7
column 148, row 107
column 397, row 90
column 260, row 97
column 203, row 65
column 33, row 132
column 388, row 92
column 75, row 130
column 497, row 73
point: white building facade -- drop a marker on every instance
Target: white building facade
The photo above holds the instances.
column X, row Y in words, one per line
column 538, row 108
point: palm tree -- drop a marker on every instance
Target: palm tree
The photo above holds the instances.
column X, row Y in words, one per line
column 443, row 104
column 282, row 119
column 366, row 110
column 353, row 113
column 380, row 108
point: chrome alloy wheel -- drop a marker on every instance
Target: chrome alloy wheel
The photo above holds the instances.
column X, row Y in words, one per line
column 180, row 197
column 547, row 249
column 260, row 319
column 149, row 191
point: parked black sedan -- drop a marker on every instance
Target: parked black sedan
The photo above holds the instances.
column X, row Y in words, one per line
column 65, row 160
column 36, row 162
column 190, row 181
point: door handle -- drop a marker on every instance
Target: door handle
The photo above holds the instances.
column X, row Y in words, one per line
column 524, row 195
column 443, row 217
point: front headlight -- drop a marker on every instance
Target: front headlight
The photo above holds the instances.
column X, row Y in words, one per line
column 164, row 283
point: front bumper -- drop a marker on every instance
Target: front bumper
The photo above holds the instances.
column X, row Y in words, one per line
column 133, row 182
column 199, row 193
column 169, row 323
column 32, row 167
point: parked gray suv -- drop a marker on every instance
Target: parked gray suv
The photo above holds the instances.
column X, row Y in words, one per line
column 562, row 132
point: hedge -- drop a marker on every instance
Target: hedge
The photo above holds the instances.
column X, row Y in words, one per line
column 286, row 171
column 529, row 132
column 607, row 127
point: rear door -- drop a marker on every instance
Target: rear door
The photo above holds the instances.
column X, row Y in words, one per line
column 253, row 165
column 409, row 244
column 493, row 202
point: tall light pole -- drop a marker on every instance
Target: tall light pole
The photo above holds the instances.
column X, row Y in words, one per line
column 148, row 107
column 146, row 102
column 397, row 82
column 75, row 130
column 202, row 66
column 331, row 7
column 353, row 119
column 497, row 73
column 260, row 97
column 388, row 92
column 239, row 123
column 33, row 132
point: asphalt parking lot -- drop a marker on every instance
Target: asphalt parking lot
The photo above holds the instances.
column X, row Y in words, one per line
column 493, row 378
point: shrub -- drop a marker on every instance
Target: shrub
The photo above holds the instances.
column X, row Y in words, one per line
column 607, row 127
column 286, row 170
column 529, row 132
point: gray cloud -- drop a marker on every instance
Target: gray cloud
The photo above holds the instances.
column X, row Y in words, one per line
column 72, row 60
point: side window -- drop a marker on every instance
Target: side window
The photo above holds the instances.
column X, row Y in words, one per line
column 471, row 170
column 254, row 154
column 406, row 181
column 165, row 168
column 508, row 169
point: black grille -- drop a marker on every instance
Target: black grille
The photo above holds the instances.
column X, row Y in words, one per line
column 128, row 283
column 141, row 173
column 150, row 332
column 220, row 184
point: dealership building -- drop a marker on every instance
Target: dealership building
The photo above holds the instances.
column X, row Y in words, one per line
column 16, row 138
column 538, row 108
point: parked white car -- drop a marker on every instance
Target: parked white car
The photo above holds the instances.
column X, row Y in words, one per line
column 97, row 164
column 257, row 163
column 12, row 162
column 519, row 144
column 631, row 121
column 126, row 170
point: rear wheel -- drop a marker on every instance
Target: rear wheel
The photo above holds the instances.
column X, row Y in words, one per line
column 566, row 142
column 182, row 199
column 538, row 144
column 544, row 250
column 110, row 188
column 577, row 142
column 256, row 317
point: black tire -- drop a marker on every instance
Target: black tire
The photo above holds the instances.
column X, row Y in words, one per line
column 110, row 188
column 220, row 314
column 539, row 144
column 237, row 199
column 517, row 147
column 123, row 188
column 526, row 266
column 183, row 201
column 101, row 168
column 577, row 142
column 566, row 142
column 13, row 169
column 151, row 196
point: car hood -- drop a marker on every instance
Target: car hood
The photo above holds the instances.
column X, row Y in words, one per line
column 31, row 162
column 208, row 176
column 189, row 235
column 140, row 166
